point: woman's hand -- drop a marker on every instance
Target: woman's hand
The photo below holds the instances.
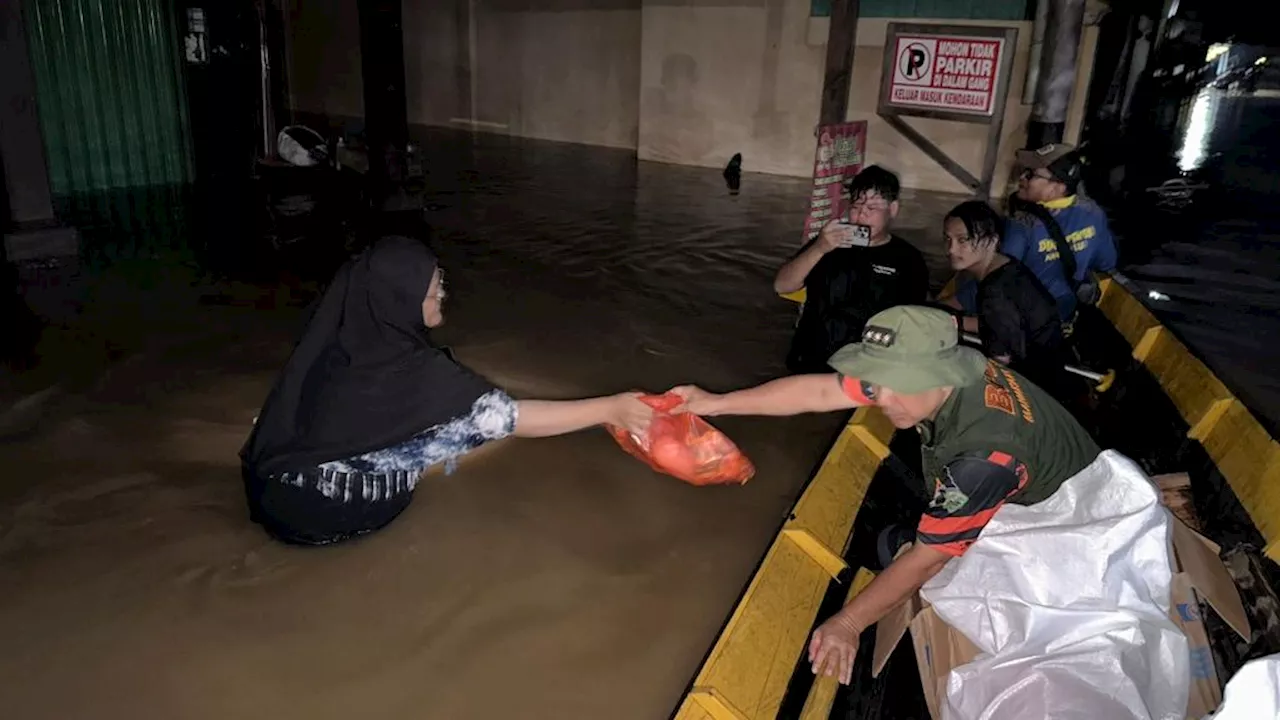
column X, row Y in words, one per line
column 544, row 418
column 696, row 400
column 629, row 413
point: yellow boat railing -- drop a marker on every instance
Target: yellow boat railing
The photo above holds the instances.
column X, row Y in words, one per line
column 1245, row 453
column 746, row 673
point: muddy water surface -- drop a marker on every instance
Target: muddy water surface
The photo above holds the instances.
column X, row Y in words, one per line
column 548, row 578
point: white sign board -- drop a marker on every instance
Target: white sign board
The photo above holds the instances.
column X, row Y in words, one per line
column 949, row 73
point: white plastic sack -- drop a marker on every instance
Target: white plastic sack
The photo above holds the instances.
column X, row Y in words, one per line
column 300, row 145
column 1253, row 692
column 1068, row 599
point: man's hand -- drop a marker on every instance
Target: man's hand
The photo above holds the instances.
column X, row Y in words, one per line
column 835, row 234
column 833, row 648
column 696, row 400
column 835, row 643
column 791, row 277
column 790, row 395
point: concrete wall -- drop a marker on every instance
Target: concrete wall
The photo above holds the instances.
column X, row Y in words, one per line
column 322, row 39
column 722, row 78
column 437, row 60
column 680, row 81
column 719, row 79
column 567, row 71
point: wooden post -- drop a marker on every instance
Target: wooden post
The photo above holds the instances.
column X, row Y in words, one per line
column 382, row 70
column 463, row 70
column 838, row 74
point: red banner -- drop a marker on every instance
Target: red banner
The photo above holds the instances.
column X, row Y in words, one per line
column 841, row 150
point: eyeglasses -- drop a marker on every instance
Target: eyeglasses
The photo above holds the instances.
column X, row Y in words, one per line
column 1030, row 174
column 861, row 205
column 440, row 294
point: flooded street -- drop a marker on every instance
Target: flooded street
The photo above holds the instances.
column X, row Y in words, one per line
column 1214, row 274
column 1219, row 290
column 544, row 579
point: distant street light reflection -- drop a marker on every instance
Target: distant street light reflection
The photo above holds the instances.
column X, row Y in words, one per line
column 1194, row 146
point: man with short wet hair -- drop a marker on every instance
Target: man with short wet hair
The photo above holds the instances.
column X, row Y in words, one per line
column 853, row 269
column 987, row 436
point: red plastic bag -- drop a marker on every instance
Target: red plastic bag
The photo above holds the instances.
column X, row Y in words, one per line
column 685, row 446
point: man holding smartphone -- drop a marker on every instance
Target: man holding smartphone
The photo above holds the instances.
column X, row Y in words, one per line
column 852, row 270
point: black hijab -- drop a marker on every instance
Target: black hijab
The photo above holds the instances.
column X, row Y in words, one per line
column 365, row 375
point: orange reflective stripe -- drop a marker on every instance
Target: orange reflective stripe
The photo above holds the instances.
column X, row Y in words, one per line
column 930, row 525
column 1002, row 459
column 852, row 388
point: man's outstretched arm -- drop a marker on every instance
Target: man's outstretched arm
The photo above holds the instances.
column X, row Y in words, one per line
column 786, row 396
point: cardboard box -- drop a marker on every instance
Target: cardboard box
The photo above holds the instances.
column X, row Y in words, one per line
column 1175, row 494
column 1200, row 573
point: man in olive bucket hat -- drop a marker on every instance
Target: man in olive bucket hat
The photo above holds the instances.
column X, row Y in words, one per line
column 987, row 436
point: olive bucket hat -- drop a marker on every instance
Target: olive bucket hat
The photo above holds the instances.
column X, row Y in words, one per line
column 910, row 349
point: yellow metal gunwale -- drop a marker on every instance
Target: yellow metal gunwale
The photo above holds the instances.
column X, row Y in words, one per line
column 745, row 674
column 1244, row 452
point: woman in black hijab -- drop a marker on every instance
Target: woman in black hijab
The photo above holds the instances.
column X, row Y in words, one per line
column 366, row 403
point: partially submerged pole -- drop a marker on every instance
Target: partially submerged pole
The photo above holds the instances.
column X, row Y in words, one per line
column 1102, row 380
column 838, row 72
column 1057, row 78
column 382, row 70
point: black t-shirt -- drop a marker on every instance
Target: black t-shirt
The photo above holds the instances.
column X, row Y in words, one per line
column 843, row 291
column 1019, row 318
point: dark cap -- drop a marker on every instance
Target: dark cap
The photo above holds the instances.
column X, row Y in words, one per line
column 1059, row 159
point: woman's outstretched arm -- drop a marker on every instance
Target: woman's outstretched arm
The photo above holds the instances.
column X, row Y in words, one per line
column 544, row 418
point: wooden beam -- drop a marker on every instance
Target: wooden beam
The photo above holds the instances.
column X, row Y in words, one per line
column 838, row 73
column 939, row 156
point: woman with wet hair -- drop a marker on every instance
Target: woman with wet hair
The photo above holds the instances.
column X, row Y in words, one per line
column 1017, row 317
column 367, row 402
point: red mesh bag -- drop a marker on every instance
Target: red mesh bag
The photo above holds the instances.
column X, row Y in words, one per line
column 685, row 446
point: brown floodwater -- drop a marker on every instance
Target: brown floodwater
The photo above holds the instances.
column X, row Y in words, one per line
column 547, row 578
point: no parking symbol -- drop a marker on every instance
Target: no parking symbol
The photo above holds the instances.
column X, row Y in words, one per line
column 914, row 61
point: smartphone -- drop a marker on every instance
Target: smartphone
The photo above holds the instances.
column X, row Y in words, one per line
column 855, row 235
